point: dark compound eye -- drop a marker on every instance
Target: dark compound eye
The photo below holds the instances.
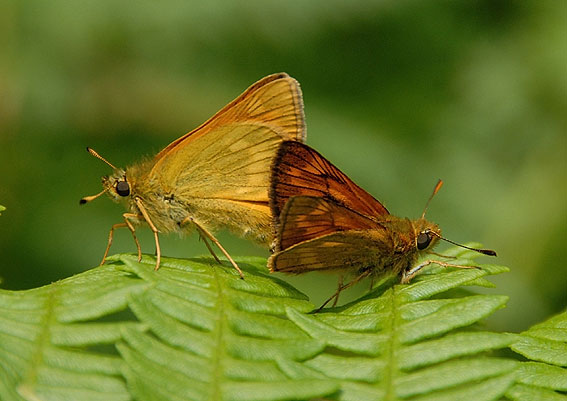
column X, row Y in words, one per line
column 123, row 188
column 423, row 240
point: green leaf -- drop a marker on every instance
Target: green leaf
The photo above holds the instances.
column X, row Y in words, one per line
column 191, row 331
column 194, row 330
column 2, row 208
column 545, row 343
column 402, row 342
column 47, row 334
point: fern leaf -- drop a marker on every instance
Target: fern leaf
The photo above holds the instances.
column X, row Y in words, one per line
column 401, row 343
column 191, row 331
column 213, row 336
column 195, row 331
column 46, row 336
column 546, row 375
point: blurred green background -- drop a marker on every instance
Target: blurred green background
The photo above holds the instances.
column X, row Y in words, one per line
column 397, row 94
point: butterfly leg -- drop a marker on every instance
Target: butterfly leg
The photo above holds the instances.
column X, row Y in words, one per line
column 127, row 217
column 441, row 255
column 407, row 276
column 127, row 223
column 344, row 287
column 206, row 234
column 206, row 241
column 339, row 286
column 110, row 237
column 140, row 205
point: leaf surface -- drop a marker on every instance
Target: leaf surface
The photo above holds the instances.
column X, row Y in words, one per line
column 195, row 331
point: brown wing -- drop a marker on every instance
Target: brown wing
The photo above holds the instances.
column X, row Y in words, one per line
column 274, row 101
column 300, row 170
column 354, row 250
column 306, row 217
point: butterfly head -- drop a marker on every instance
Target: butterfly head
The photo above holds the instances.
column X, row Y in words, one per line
column 426, row 234
column 116, row 185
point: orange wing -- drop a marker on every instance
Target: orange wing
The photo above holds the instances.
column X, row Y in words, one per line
column 274, row 101
column 299, row 170
column 306, row 217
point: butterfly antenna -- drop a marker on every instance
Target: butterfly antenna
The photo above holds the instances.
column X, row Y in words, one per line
column 435, row 190
column 95, row 154
column 92, row 197
column 488, row 252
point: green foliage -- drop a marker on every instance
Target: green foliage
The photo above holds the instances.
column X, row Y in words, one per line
column 545, row 343
column 47, row 337
column 407, row 342
column 194, row 331
column 2, row 208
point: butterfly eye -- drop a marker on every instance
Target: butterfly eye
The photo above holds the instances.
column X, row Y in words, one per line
column 423, row 240
column 123, row 188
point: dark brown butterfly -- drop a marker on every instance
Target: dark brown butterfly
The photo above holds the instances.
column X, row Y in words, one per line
column 325, row 222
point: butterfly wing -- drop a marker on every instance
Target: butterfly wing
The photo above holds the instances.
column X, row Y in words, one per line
column 306, row 217
column 320, row 234
column 300, row 170
column 220, row 171
column 354, row 250
column 274, row 101
column 223, row 178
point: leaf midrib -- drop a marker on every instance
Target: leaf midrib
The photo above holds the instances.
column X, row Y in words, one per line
column 220, row 327
column 392, row 345
column 42, row 341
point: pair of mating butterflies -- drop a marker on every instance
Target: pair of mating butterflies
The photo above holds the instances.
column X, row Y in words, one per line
column 248, row 170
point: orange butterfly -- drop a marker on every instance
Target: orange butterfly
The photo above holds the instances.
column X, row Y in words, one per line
column 326, row 222
column 216, row 175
